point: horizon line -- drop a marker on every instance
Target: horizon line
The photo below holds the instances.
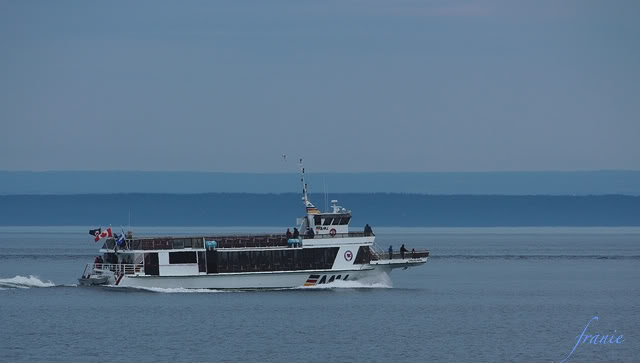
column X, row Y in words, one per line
column 316, row 172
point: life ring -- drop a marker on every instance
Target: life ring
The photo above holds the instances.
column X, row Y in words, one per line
column 348, row 255
column 332, row 232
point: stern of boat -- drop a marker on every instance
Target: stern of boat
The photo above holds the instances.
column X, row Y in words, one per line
column 108, row 274
column 398, row 260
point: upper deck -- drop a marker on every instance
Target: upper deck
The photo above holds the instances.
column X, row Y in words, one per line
column 221, row 241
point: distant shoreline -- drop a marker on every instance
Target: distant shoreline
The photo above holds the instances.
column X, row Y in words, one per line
column 268, row 210
column 437, row 183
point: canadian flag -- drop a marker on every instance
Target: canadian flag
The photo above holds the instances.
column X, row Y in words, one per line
column 103, row 234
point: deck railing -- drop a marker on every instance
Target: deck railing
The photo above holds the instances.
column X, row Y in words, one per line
column 398, row 255
column 126, row 269
column 169, row 243
column 338, row 235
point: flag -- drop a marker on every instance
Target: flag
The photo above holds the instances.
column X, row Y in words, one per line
column 103, row 234
column 120, row 239
column 95, row 232
column 311, row 209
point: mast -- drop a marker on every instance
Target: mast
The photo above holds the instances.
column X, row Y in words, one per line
column 311, row 209
column 305, row 198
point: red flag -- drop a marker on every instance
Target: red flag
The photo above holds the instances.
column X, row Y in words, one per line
column 103, row 234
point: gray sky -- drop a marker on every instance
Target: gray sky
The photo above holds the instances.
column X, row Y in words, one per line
column 350, row 85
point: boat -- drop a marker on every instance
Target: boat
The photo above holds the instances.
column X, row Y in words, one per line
column 327, row 251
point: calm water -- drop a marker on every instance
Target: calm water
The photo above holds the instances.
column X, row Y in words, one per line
column 516, row 294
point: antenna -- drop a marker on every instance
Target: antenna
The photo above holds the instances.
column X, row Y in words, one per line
column 326, row 200
column 304, row 185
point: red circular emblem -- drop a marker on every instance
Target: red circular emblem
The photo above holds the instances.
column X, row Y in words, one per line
column 348, row 255
column 332, row 232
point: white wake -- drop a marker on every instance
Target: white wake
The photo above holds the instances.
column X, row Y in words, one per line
column 168, row 290
column 380, row 280
column 22, row 282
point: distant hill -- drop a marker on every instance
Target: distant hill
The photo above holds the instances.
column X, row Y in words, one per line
column 377, row 209
column 489, row 183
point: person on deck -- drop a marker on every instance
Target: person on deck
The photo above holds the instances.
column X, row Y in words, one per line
column 402, row 251
column 413, row 253
column 289, row 235
column 368, row 231
column 391, row 252
column 296, row 233
column 310, row 233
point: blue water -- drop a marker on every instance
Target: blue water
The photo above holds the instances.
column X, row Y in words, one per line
column 492, row 294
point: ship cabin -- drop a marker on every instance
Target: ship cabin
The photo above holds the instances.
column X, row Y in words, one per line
column 332, row 223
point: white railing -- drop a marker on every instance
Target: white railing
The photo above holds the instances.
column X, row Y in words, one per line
column 380, row 254
column 118, row 269
column 337, row 235
column 406, row 256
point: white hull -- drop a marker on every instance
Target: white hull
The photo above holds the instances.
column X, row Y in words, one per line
column 250, row 280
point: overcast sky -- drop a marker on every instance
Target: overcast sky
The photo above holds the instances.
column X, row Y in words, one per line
column 350, row 85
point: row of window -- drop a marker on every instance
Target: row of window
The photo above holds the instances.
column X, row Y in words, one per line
column 254, row 261
column 331, row 221
column 274, row 260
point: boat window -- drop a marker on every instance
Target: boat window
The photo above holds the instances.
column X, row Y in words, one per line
column 151, row 266
column 197, row 243
column 274, row 260
column 336, row 221
column 187, row 243
column 178, row 244
column 202, row 262
column 363, row 256
column 327, row 221
column 345, row 220
column 317, row 220
column 182, row 257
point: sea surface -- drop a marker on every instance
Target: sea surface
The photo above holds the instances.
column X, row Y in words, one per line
column 486, row 294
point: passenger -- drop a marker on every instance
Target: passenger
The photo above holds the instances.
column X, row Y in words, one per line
column 368, row 231
column 402, row 251
column 391, row 252
column 413, row 253
column 296, row 233
column 289, row 234
column 310, row 233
